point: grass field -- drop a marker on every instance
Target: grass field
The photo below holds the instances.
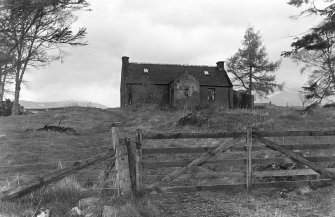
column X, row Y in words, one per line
column 25, row 152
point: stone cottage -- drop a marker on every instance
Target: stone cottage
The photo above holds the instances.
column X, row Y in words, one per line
column 179, row 86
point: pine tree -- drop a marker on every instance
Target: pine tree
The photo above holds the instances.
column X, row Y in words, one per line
column 252, row 71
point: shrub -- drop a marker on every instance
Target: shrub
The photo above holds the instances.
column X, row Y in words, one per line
column 6, row 108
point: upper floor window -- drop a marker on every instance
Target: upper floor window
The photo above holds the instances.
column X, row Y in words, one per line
column 211, row 94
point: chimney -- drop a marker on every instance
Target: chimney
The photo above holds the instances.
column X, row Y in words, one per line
column 123, row 88
column 125, row 60
column 220, row 65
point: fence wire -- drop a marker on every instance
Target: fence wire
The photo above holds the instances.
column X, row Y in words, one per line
column 23, row 159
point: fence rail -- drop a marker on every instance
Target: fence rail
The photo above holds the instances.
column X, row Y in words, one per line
column 233, row 149
column 251, row 175
column 150, row 135
column 137, row 163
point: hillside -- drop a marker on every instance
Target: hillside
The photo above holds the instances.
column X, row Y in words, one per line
column 26, row 152
column 58, row 104
column 286, row 97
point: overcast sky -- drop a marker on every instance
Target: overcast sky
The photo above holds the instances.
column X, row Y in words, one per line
column 163, row 31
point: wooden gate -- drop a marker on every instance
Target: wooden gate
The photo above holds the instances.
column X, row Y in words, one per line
column 246, row 160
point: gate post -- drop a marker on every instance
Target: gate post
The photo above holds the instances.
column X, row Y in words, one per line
column 139, row 136
column 249, row 159
column 131, row 149
column 123, row 182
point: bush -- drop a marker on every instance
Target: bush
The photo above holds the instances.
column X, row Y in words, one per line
column 6, row 108
column 197, row 117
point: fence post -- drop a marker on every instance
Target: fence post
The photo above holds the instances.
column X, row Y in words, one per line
column 131, row 148
column 249, row 159
column 110, row 165
column 122, row 166
column 139, row 136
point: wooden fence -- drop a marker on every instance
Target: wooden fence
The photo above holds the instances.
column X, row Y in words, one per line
column 142, row 167
column 255, row 171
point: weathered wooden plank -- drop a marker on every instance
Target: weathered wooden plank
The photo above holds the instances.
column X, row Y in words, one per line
column 131, row 150
column 280, row 160
column 190, row 150
column 296, row 172
column 139, row 170
column 295, row 133
column 291, row 147
column 296, row 157
column 284, row 184
column 211, row 175
column 122, row 166
column 149, row 135
column 255, row 174
column 146, row 151
column 203, row 158
column 51, row 177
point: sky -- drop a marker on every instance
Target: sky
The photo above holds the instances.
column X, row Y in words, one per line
column 195, row 32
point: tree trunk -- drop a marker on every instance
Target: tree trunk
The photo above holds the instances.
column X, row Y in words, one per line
column 3, row 77
column 250, row 81
column 2, row 85
column 16, row 106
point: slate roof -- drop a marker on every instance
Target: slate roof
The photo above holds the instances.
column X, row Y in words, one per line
column 165, row 74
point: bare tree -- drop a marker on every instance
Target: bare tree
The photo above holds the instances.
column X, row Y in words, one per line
column 7, row 60
column 39, row 30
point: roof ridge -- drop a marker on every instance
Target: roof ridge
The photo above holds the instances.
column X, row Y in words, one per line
column 167, row 64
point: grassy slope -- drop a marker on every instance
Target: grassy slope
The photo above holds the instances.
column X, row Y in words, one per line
column 21, row 144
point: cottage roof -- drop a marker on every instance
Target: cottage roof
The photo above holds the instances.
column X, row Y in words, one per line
column 166, row 73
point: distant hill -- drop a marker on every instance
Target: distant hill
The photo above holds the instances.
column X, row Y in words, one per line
column 287, row 97
column 42, row 105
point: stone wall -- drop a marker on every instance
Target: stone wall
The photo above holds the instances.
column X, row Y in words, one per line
column 146, row 93
column 222, row 99
column 186, row 92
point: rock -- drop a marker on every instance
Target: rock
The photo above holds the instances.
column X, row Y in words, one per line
column 75, row 211
column 304, row 190
column 43, row 212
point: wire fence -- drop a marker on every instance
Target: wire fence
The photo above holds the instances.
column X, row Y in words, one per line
column 23, row 159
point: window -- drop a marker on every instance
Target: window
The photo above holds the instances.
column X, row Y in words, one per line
column 146, row 71
column 206, row 72
column 211, row 94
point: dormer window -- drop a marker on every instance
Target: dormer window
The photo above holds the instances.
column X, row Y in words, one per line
column 146, row 71
column 206, row 72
